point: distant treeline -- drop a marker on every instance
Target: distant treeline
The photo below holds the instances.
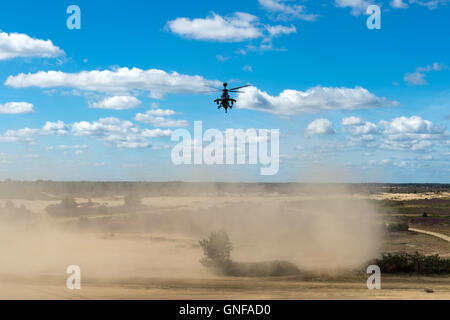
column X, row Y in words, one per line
column 43, row 189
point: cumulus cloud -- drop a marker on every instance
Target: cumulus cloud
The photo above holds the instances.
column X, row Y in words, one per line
column 156, row 117
column 285, row 11
column 24, row 135
column 357, row 127
column 119, row 81
column 291, row 102
column 16, row 108
column 116, row 103
column 401, row 133
column 238, row 27
column 27, row 135
column 112, row 131
column 58, row 128
column 14, row 45
column 403, row 128
column 412, row 134
column 350, row 121
column 320, row 126
column 418, row 77
column 116, row 132
column 235, row 28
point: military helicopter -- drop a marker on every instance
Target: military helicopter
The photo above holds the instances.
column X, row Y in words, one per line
column 225, row 101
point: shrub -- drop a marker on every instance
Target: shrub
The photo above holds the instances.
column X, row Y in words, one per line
column 402, row 226
column 217, row 256
column 216, row 250
column 424, row 215
column 413, row 263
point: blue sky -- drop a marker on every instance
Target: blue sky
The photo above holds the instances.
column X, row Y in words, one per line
column 351, row 103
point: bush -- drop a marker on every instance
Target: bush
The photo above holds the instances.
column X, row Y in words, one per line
column 413, row 263
column 217, row 256
column 424, row 215
column 216, row 250
column 403, row 226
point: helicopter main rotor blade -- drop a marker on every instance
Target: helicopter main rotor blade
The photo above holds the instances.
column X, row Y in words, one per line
column 212, row 91
column 238, row 91
column 248, row 85
column 213, row 87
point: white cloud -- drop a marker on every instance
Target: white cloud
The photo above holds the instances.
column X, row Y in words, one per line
column 235, row 28
column 400, row 134
column 112, row 131
column 58, row 128
column 418, row 77
column 117, row 132
column 357, row 6
column 121, row 80
column 156, row 117
column 431, row 4
column 285, row 11
column 410, row 134
column 16, row 108
column 238, row 27
column 403, row 127
column 291, row 102
column 276, row 31
column 116, row 103
column 320, row 126
column 160, row 112
column 156, row 133
column 67, row 147
column 358, row 127
column 15, row 45
column 247, row 68
column 21, row 135
column 421, row 145
column 398, row 4
column 352, row 120
column 26, row 135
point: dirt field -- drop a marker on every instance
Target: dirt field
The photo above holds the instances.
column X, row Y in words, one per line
column 151, row 250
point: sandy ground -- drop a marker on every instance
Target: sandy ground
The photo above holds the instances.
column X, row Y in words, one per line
column 392, row 287
column 161, row 265
column 142, row 266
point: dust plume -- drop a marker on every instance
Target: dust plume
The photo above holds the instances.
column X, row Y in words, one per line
column 319, row 227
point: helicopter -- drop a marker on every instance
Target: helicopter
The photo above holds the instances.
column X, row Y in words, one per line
column 225, row 101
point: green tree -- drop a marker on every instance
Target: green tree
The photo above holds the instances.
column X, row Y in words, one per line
column 216, row 250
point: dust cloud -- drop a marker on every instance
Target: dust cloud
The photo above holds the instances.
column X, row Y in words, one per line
column 319, row 227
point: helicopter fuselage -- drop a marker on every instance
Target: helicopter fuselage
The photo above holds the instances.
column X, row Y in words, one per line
column 225, row 101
